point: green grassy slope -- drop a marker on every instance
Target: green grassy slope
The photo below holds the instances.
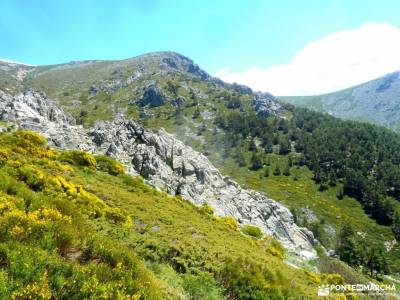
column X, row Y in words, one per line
column 70, row 230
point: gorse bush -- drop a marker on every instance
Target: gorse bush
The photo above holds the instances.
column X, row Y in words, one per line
column 109, row 165
column 78, row 158
column 245, row 279
column 252, row 231
column 31, row 137
column 47, row 249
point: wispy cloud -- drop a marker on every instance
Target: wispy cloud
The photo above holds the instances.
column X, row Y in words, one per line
column 222, row 72
column 334, row 62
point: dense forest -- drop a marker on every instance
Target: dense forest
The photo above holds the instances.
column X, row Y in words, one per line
column 364, row 158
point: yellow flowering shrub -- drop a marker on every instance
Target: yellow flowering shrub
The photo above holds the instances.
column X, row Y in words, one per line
column 230, row 221
column 207, row 209
column 117, row 216
column 39, row 290
column 8, row 203
column 24, row 225
column 78, row 158
column 272, row 246
column 33, row 176
column 32, row 137
column 109, row 165
column 5, row 155
column 45, row 229
column 332, row 279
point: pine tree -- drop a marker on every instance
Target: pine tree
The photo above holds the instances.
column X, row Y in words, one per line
column 196, row 113
column 256, row 161
column 252, row 145
column 277, row 171
column 290, row 161
column 340, row 194
column 284, row 146
column 347, row 248
column 376, row 260
column 286, row 172
column 332, row 179
column 239, row 157
column 396, row 224
column 268, row 147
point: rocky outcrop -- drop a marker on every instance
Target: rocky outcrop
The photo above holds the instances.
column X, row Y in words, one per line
column 164, row 161
column 153, row 96
column 266, row 105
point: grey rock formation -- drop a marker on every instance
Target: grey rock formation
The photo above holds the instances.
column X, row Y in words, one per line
column 178, row 101
column 241, row 88
column 166, row 163
column 266, row 105
column 307, row 215
column 153, row 96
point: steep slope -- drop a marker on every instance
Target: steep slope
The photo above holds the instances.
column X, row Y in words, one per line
column 73, row 226
column 377, row 102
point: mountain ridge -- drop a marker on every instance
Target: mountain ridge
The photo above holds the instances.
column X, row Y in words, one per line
column 376, row 101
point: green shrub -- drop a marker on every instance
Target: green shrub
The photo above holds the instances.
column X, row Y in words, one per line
column 33, row 176
column 202, row 287
column 32, row 137
column 109, row 165
column 78, row 158
column 246, row 279
column 230, row 221
column 207, row 209
column 252, row 231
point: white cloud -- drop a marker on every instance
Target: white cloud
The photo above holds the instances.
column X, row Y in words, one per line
column 334, row 62
column 222, row 72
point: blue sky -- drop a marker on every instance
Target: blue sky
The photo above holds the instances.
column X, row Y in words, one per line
column 234, row 35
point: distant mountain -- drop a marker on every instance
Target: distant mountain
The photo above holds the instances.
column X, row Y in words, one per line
column 376, row 101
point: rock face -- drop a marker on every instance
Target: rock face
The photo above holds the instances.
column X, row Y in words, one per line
column 153, row 96
column 166, row 163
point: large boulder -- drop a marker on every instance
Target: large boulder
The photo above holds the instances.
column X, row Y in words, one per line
column 153, row 96
column 266, row 105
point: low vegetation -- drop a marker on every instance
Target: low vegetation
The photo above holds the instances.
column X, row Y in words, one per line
column 71, row 228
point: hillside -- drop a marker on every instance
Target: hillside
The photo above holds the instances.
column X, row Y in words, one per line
column 226, row 147
column 75, row 226
column 376, row 102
